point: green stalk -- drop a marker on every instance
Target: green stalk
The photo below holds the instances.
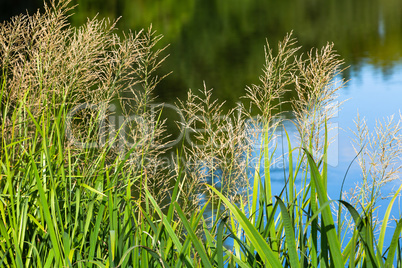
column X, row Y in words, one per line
column 324, row 173
column 291, row 180
column 290, row 235
column 328, row 222
column 48, row 218
column 270, row 258
column 381, row 238
column 267, row 183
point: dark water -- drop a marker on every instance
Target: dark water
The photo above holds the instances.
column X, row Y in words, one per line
column 221, row 43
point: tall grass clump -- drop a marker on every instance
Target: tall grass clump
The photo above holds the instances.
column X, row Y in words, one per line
column 79, row 143
column 82, row 141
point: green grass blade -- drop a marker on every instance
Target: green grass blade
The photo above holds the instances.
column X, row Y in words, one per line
column 290, row 236
column 385, row 219
column 66, row 244
column 219, row 241
column 291, row 180
column 92, row 189
column 255, row 188
column 95, row 232
column 200, row 249
column 399, row 255
column 362, row 228
column 49, row 259
column 48, row 218
column 90, row 208
column 394, row 244
column 175, row 191
column 333, row 241
column 270, row 258
column 166, row 224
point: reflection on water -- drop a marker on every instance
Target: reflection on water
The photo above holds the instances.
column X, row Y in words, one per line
column 222, row 42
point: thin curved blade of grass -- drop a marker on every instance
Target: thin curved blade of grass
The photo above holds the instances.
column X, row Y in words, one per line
column 97, row 263
column 167, row 225
column 269, row 257
column 313, row 241
column 270, row 220
column 385, row 219
column 92, row 189
column 267, row 162
column 95, row 231
column 47, row 214
column 317, row 213
column 194, row 223
column 394, row 245
column 49, row 260
column 11, row 144
column 66, row 245
column 333, row 241
column 399, row 256
column 256, row 184
column 290, row 169
column 324, row 258
column 341, row 191
column 219, row 244
column 34, row 220
column 236, row 259
column 200, row 249
column 153, row 253
column 246, row 248
column 175, row 192
column 290, row 236
column 362, row 232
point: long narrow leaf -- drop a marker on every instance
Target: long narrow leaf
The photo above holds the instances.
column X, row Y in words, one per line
column 290, row 235
column 269, row 257
column 200, row 249
column 361, row 227
column 385, row 219
column 333, row 241
column 394, row 244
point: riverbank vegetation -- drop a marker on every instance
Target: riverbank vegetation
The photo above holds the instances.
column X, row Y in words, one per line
column 85, row 181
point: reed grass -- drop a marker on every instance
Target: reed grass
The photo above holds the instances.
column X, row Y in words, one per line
column 82, row 181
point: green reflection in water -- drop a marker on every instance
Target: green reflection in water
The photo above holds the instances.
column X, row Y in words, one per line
column 221, row 42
